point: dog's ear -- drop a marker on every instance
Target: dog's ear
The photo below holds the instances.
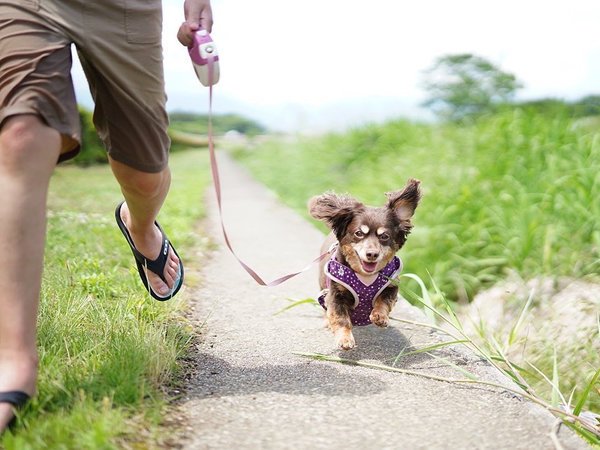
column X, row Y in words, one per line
column 403, row 203
column 336, row 211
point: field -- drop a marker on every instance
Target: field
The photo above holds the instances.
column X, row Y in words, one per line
column 510, row 195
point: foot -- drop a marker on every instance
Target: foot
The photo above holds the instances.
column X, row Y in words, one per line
column 148, row 242
column 379, row 318
column 344, row 339
column 17, row 373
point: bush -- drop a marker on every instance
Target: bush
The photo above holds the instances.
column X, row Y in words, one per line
column 92, row 148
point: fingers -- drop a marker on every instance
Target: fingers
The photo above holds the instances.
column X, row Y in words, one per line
column 185, row 35
column 198, row 13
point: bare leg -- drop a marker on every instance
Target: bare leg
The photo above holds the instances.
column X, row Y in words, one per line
column 144, row 194
column 28, row 154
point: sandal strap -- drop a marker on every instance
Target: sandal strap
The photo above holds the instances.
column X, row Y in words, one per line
column 15, row 398
column 157, row 265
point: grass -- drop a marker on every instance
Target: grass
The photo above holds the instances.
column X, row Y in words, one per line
column 516, row 192
column 108, row 352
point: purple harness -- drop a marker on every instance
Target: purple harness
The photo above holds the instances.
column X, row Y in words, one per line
column 363, row 294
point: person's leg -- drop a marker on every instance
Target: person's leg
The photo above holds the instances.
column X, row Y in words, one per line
column 28, row 153
column 144, row 194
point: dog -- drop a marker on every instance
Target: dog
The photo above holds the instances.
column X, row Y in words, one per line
column 356, row 279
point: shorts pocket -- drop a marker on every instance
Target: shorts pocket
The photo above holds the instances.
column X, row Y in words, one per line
column 32, row 5
column 143, row 21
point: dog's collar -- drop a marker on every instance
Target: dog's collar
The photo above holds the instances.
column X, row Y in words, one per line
column 333, row 248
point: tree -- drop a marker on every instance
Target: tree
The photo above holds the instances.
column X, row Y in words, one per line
column 465, row 85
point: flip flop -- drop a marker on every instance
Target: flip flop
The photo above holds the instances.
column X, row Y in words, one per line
column 157, row 266
column 15, row 398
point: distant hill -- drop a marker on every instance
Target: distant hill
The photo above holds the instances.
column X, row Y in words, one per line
column 198, row 123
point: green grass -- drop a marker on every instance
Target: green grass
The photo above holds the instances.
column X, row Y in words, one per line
column 108, row 352
column 516, row 192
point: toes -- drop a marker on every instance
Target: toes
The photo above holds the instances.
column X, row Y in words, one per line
column 379, row 319
column 171, row 274
column 346, row 344
column 345, row 340
column 157, row 284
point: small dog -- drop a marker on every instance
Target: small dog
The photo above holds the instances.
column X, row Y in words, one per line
column 356, row 279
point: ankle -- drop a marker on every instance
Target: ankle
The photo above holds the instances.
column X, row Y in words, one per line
column 18, row 371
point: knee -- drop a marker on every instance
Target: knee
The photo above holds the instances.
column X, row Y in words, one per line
column 26, row 142
column 145, row 184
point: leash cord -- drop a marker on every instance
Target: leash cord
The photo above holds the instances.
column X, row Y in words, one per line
column 217, row 183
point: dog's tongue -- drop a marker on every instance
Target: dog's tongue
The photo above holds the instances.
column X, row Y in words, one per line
column 369, row 266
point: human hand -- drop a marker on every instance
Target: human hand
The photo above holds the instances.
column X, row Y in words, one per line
column 198, row 13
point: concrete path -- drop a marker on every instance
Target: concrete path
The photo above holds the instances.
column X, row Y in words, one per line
column 249, row 391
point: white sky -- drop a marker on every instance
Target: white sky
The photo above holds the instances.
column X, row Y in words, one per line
column 322, row 64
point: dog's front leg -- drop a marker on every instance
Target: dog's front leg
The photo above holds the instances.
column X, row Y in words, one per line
column 338, row 315
column 382, row 306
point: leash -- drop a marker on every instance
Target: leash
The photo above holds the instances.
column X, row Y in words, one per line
column 208, row 78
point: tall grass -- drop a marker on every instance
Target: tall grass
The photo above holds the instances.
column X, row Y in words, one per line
column 108, row 352
column 516, row 191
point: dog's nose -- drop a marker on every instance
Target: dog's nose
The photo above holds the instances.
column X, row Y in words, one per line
column 372, row 255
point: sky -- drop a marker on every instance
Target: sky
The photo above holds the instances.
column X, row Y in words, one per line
column 319, row 65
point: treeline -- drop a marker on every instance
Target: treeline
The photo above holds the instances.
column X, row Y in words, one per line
column 464, row 87
column 92, row 148
column 587, row 106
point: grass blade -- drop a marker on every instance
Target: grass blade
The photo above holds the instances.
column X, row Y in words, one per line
column 296, row 303
column 555, row 382
column 454, row 366
column 427, row 349
column 447, row 304
column 425, row 298
column 551, row 383
column 513, row 332
column 586, row 393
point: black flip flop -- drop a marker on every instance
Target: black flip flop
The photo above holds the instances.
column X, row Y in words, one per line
column 16, row 398
column 157, row 266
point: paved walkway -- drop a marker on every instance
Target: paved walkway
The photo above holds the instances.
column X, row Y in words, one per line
column 249, row 391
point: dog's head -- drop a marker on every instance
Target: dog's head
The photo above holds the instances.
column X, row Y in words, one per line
column 369, row 236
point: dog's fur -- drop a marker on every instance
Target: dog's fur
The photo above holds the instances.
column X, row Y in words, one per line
column 368, row 238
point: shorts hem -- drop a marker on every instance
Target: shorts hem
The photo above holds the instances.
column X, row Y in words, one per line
column 148, row 168
column 22, row 110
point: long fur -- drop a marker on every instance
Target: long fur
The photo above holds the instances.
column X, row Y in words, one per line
column 368, row 238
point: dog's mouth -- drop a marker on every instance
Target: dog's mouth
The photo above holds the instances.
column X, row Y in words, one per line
column 368, row 267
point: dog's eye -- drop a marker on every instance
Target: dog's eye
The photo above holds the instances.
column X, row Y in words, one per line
column 359, row 234
column 384, row 237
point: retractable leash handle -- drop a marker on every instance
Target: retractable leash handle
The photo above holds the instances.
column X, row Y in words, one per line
column 203, row 53
column 206, row 64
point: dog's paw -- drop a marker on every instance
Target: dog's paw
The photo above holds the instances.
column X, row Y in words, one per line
column 345, row 341
column 380, row 319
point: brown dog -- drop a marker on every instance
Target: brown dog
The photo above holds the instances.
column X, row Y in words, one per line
column 357, row 277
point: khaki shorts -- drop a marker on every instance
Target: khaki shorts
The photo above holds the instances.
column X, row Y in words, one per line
column 119, row 46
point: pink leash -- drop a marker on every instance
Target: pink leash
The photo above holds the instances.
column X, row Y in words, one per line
column 217, row 183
